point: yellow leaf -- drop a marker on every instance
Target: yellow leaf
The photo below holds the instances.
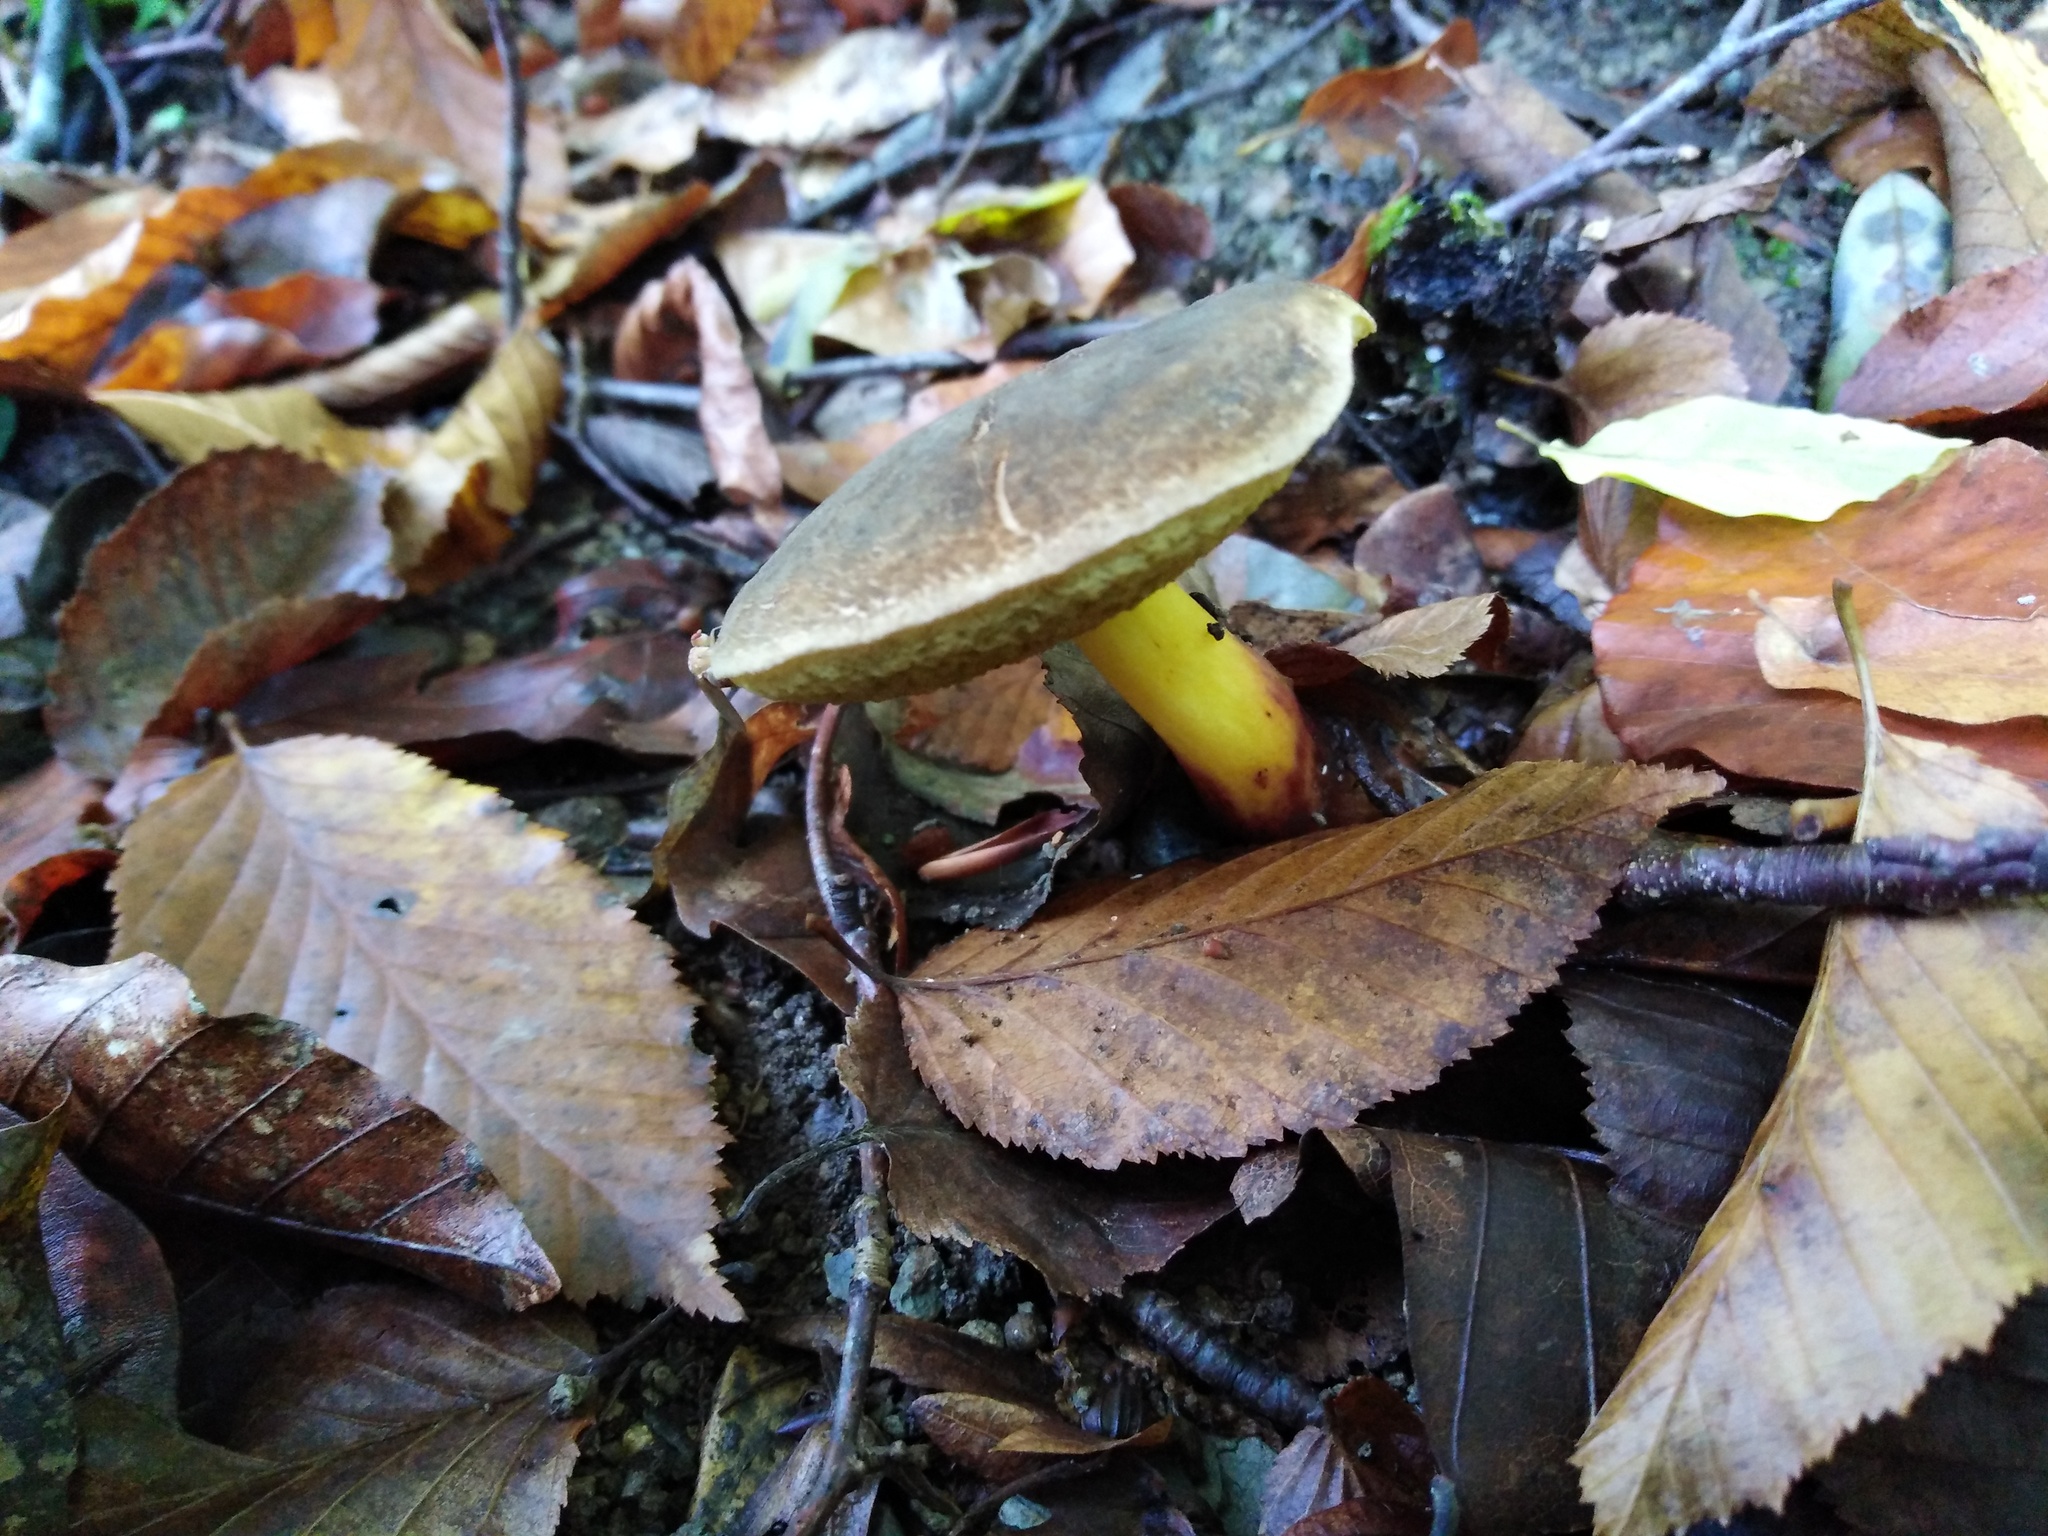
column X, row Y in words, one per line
column 421, row 927
column 2018, row 77
column 1893, row 1204
column 189, row 427
column 1940, row 666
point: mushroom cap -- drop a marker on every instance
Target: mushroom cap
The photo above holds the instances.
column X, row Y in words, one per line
column 1048, row 505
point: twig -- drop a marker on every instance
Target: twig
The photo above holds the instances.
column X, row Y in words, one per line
column 1037, row 36
column 41, row 126
column 782, row 1173
column 869, row 1286
column 1920, row 874
column 117, row 103
column 721, row 557
column 1725, row 55
column 887, row 162
column 661, row 397
column 1284, row 1398
column 621, row 1352
column 164, row 48
column 861, row 367
column 505, row 38
column 1052, row 340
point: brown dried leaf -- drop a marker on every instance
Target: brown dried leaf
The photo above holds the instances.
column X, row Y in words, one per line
column 1641, row 363
column 1510, row 134
column 694, row 39
column 1084, row 1231
column 1750, row 190
column 462, row 334
column 1365, row 111
column 189, row 427
column 221, row 340
column 1203, row 1011
column 981, row 723
column 1421, row 549
column 250, row 1116
column 1852, row 66
column 1998, row 196
column 597, row 243
column 651, row 135
column 392, row 1410
column 472, row 962
column 1428, row 641
column 1001, row 1441
column 253, row 562
column 1681, row 1075
column 1896, row 139
column 929, row 1356
column 1980, row 349
column 39, row 814
column 1676, row 652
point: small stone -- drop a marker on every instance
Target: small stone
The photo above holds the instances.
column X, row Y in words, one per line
column 920, row 1281
column 1026, row 1331
column 1021, row 1514
column 982, row 1331
column 567, row 1396
column 637, row 1438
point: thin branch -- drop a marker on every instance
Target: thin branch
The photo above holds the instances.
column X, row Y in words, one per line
column 117, row 103
column 661, row 397
column 164, row 48
column 720, row 557
column 1038, row 34
column 1728, row 54
column 41, row 126
column 1919, row 874
column 505, row 38
column 898, row 362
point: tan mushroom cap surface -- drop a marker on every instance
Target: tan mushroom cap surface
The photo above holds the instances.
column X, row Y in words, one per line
column 1050, row 504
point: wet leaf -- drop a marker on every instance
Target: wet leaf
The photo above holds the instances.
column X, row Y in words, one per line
column 38, row 1435
column 1887, row 1212
column 1751, row 189
column 390, row 1410
column 1428, row 641
column 1844, row 69
column 740, row 1444
column 1681, row 1075
column 473, row 963
column 1977, row 350
column 1365, row 111
column 1747, row 460
column 1084, row 1231
column 1997, row 193
column 254, row 560
column 1638, row 364
column 226, row 339
column 251, row 1116
column 1527, row 1291
column 1676, row 652
column 1205, row 1010
column 1936, row 665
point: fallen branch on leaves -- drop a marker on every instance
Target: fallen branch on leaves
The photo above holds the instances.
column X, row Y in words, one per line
column 1920, row 874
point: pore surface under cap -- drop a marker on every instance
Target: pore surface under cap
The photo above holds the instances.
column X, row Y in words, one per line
column 1034, row 513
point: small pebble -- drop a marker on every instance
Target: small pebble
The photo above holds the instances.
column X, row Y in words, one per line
column 982, row 1331
column 1026, row 1330
column 637, row 1438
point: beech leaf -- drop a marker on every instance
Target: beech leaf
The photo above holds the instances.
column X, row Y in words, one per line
column 1638, row 364
column 1427, row 641
column 252, row 1116
column 1205, row 1010
column 254, row 561
column 1888, row 1211
column 1850, row 66
column 1742, row 459
column 1365, row 111
column 422, row 929
column 1998, row 195
column 1978, row 350
column 2018, row 77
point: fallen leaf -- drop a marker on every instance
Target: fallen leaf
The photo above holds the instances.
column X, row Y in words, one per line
column 1681, row 1075
column 1001, row 1441
column 1206, row 1010
column 865, row 82
column 694, row 39
column 1086, row 1232
column 1316, row 1487
column 95, row 237
column 1892, row 257
column 1572, row 729
column 1968, row 1456
column 1421, row 549
column 1895, row 139
column 39, row 814
column 657, row 454
column 1937, row 665
column 464, row 333
column 928, row 1356
column 982, row 723
column 1676, row 652
column 400, row 70
column 2018, row 77
column 1638, row 364
column 1752, row 189
column 390, row 1409
column 654, row 134
column 254, row 561
column 1844, row 69
column 1997, row 193
column 730, row 413
column 604, row 1134
column 1883, row 1219
column 38, row 1434
column 1323, row 502
column 1974, row 351
column 595, row 243
column 1365, row 111
column 250, row 1116
column 24, row 897
column 741, row 1442
column 1742, row 459
column 189, row 427
column 225, row 339
column 1427, row 641
column 331, row 232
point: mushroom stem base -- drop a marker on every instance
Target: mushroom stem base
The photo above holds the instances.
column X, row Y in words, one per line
column 1219, row 706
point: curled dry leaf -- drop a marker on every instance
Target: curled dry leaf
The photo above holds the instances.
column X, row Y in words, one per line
column 1940, row 666
column 254, row 561
column 1827, row 78
column 221, row 340
column 1084, row 1231
column 1206, row 1010
column 468, row 959
column 1978, row 350
column 1676, row 652
column 1637, row 364
column 2017, row 74
column 1001, row 1441
column 462, row 334
column 1365, row 111
column 981, row 723
column 1887, row 1213
column 1750, row 190
column 1997, row 194
column 1896, row 139
column 596, row 244
column 1681, row 1075
column 251, row 1116
column 390, row 1410
column 1428, row 641
column 39, row 814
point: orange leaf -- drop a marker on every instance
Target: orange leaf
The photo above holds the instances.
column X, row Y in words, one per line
column 1980, row 349
column 694, row 39
column 221, row 340
column 1365, row 110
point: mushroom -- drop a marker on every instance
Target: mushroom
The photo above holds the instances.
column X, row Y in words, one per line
column 1061, row 506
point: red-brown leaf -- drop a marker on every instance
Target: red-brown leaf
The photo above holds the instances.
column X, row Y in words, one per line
column 1978, row 350
column 221, row 340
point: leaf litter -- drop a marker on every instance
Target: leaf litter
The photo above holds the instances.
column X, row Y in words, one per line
column 380, row 482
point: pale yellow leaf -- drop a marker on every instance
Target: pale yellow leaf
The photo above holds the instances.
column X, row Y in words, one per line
column 191, row 426
column 2018, row 77
column 1941, row 666
column 422, row 927
column 1425, row 641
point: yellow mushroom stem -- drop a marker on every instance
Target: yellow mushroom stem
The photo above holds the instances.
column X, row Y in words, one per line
column 1219, row 706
